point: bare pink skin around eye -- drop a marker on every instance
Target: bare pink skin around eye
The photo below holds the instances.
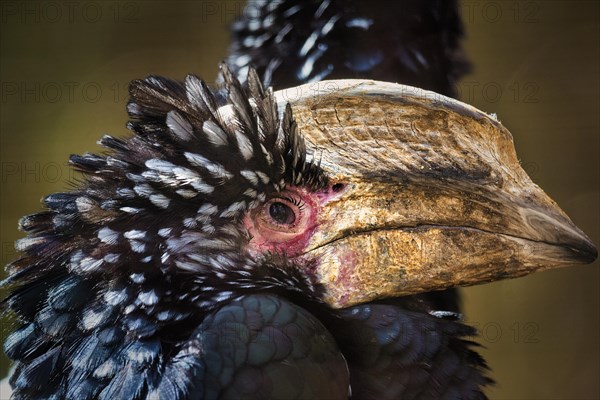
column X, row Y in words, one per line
column 290, row 242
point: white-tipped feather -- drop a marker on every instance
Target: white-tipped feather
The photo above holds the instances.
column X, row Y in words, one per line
column 214, row 133
column 244, row 145
column 179, row 126
column 107, row 235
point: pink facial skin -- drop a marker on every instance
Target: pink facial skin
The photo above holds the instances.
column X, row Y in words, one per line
column 290, row 240
column 347, row 261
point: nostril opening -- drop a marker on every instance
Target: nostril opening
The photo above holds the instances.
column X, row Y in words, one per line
column 338, row 187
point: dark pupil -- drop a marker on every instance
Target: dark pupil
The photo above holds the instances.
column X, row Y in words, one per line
column 281, row 213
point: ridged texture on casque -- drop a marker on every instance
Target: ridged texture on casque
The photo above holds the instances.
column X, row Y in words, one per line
column 413, row 42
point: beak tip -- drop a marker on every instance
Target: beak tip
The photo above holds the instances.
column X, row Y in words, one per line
column 578, row 248
column 581, row 250
column 587, row 252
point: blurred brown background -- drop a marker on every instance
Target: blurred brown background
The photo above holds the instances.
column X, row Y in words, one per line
column 64, row 69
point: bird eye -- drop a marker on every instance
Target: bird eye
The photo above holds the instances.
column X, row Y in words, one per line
column 282, row 223
column 282, row 213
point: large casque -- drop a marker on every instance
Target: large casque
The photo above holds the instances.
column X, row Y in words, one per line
column 462, row 210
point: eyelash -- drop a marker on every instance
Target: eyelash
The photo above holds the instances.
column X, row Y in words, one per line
column 295, row 201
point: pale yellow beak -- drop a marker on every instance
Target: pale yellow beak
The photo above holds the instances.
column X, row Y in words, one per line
column 435, row 194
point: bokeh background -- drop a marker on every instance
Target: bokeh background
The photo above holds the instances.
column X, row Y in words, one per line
column 64, row 70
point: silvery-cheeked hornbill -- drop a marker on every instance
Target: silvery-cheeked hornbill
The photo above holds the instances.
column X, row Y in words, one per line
column 247, row 244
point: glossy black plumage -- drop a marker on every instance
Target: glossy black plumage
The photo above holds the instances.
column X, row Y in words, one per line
column 263, row 346
column 413, row 42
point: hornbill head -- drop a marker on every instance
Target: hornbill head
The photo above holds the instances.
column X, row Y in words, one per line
column 347, row 190
column 353, row 190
